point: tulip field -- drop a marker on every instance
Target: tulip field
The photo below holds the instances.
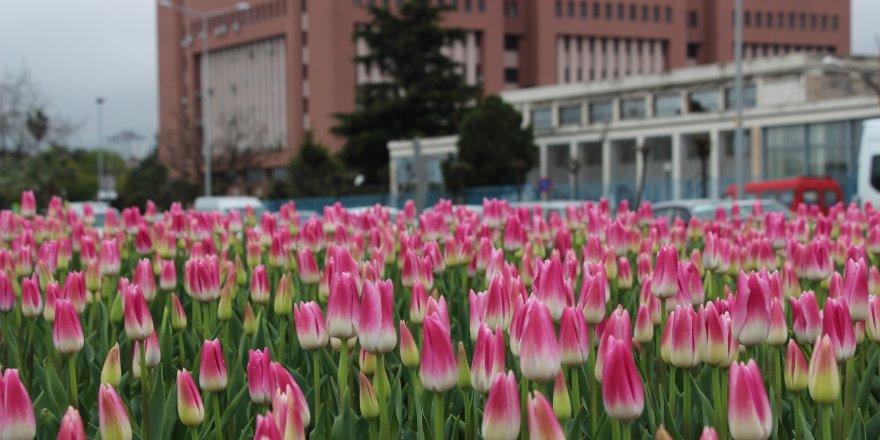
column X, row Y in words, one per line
column 507, row 322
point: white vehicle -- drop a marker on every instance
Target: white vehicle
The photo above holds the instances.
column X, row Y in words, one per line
column 869, row 164
column 225, row 204
column 99, row 209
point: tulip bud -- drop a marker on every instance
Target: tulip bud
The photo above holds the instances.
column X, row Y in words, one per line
column 189, row 402
column 343, row 307
column 501, row 416
column 138, row 321
column 623, row 392
column 464, row 371
column 250, row 321
column 778, row 327
column 574, row 338
column 212, row 367
column 168, row 276
column 376, row 323
column 67, row 332
column 409, row 351
column 824, row 376
column 438, row 369
column 367, row 362
column 288, row 413
column 111, row 373
column 593, row 297
column 709, row 434
column 664, row 279
column 31, row 301
column 542, row 423
column 259, row 285
column 662, row 434
column 261, row 382
column 837, row 324
column 224, row 307
column 796, row 370
column 112, row 417
column 178, row 314
column 805, row 318
column 644, row 329
column 266, row 427
column 16, row 410
column 418, row 304
column 751, row 312
column 52, row 293
column 538, row 348
column 748, row 408
column 311, row 329
column 369, row 401
column 684, row 328
column 561, row 399
column 872, row 323
column 72, row 427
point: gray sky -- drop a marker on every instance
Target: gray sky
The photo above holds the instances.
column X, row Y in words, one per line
column 77, row 50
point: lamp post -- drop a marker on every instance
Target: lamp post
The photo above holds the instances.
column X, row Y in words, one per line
column 99, row 103
column 738, row 147
column 207, row 149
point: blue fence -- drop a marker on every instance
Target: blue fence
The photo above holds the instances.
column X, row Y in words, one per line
column 655, row 191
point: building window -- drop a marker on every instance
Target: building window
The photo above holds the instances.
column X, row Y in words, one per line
column 749, row 96
column 304, row 5
column 747, row 19
column 656, row 14
column 632, row 108
column 542, row 119
column 583, row 9
column 511, row 42
column 703, row 101
column 669, row 14
column 571, row 8
column 646, row 13
column 305, row 71
column 693, row 50
column 597, row 10
column 570, row 115
column 602, row 111
column 627, row 152
column 511, row 75
column 780, row 20
column 834, row 22
column 468, row 5
column 609, row 11
column 824, row 22
column 621, row 12
column 633, row 13
column 558, row 8
column 785, row 151
column 813, row 22
column 667, row 105
column 758, row 19
column 692, row 19
column 803, row 21
column 769, row 20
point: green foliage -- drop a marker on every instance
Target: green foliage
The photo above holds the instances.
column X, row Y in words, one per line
column 424, row 96
column 149, row 181
column 493, row 148
column 313, row 172
column 71, row 174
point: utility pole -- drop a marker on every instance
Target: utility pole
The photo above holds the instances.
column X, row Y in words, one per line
column 738, row 86
column 99, row 102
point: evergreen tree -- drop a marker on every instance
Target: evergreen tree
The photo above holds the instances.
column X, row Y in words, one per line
column 313, row 172
column 424, row 96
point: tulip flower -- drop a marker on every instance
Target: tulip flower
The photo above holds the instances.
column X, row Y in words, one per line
column 501, row 416
column 67, row 332
column 153, row 354
column 113, row 423
column 75, row 290
column 286, row 411
column 376, row 323
column 250, row 322
column 617, row 326
column 409, row 351
column 367, row 361
column 212, row 367
column 178, row 314
column 168, row 276
column 683, row 337
column 111, row 372
column 284, row 381
column 778, row 327
column 623, row 392
column 369, row 401
column 438, row 369
column 751, row 312
column 489, row 358
column 561, row 399
column 72, row 427
column 266, row 428
column 464, row 370
column 748, row 408
column 855, row 289
column 418, row 304
column 552, row 289
column 644, row 329
column 16, row 410
column 307, row 267
column 261, row 381
column 189, row 402
column 796, row 370
column 823, row 373
column 716, row 339
column 138, row 321
column 709, row 434
column 806, row 321
column 837, row 324
column 499, row 304
column 259, row 290
column 542, row 421
column 310, row 327
column 574, row 338
column 872, row 323
column 144, row 279
column 28, row 206
column 31, row 300
column 664, row 278
column 593, row 296
column 539, row 349
column 343, row 307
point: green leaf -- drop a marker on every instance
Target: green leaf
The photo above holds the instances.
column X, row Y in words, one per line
column 157, row 406
column 872, row 428
column 805, row 428
column 343, row 426
column 857, row 430
column 864, row 390
column 232, row 406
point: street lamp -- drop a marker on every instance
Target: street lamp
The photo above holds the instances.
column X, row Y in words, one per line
column 207, row 149
column 864, row 74
column 99, row 103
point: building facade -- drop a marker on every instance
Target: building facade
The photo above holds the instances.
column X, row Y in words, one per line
column 801, row 116
column 279, row 68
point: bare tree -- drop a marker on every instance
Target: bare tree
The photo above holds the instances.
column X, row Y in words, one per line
column 237, row 147
column 25, row 125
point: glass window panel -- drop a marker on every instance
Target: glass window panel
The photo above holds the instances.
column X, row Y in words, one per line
column 542, row 118
column 633, row 108
column 667, row 105
column 750, row 97
column 703, row 101
column 570, row 115
column 601, row 111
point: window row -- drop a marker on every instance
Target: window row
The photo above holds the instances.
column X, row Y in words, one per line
column 608, row 11
column 635, row 108
column 466, row 5
column 791, row 20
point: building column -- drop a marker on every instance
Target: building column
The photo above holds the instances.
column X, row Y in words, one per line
column 392, row 181
column 676, row 165
column 606, row 169
column 757, row 153
column 715, row 148
column 542, row 165
column 572, row 177
column 640, row 164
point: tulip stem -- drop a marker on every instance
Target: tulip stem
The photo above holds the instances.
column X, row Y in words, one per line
column 615, row 429
column 849, row 392
column 686, row 378
column 438, row 417
column 218, row 430
column 71, row 367
column 716, row 396
column 342, row 374
column 825, row 413
column 145, row 392
column 417, row 398
column 797, row 411
column 524, row 398
column 575, row 392
column 381, row 385
column 316, row 359
column 627, row 431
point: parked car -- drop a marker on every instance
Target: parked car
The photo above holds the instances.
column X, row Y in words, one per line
column 869, row 164
column 824, row 192
column 705, row 209
column 100, row 210
column 225, row 204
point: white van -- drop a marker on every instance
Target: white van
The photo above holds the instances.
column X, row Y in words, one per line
column 225, row 204
column 869, row 164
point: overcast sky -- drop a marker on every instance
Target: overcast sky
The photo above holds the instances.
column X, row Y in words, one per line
column 76, row 50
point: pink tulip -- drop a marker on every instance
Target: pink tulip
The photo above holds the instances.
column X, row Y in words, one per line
column 168, row 276
column 574, row 338
column 499, row 303
column 855, row 289
column 261, row 381
column 489, row 358
column 418, row 304
column 110, row 261
column 538, row 346
column 796, row 370
column 31, row 300
column 617, row 326
column 189, row 402
column 52, row 293
column 593, row 297
column 285, row 411
column 307, row 267
column 552, row 289
column 67, row 332
column 138, row 321
column 872, row 323
column 664, row 280
column 874, row 281
column 715, row 336
column 542, row 420
column 709, row 434
column 284, row 381
column 145, row 280
column 113, row 423
column 266, row 428
column 72, row 427
column 806, row 321
column 644, row 328
column 75, row 290
column 837, row 324
column 624, row 274
column 683, row 337
column 16, row 411
column 28, row 207
column 501, row 415
column 778, row 327
column 748, row 408
column 212, row 367
column 690, row 284
column 623, row 392
column 259, row 285
column 311, row 329
column 823, row 373
column 751, row 312
column 438, row 369
column 343, row 307
column 376, row 323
